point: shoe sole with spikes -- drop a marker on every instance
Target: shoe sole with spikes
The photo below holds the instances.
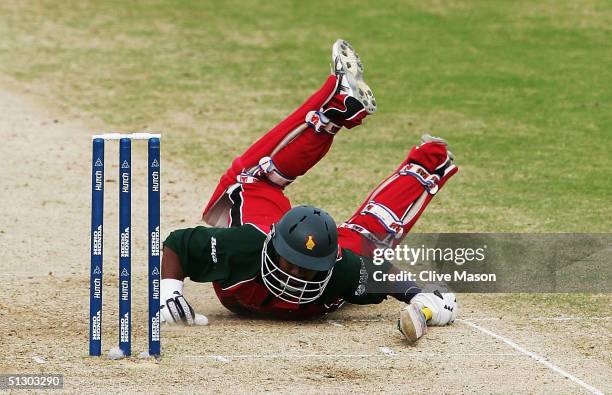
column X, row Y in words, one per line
column 349, row 68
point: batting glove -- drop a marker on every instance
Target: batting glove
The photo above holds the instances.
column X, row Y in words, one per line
column 176, row 310
column 443, row 307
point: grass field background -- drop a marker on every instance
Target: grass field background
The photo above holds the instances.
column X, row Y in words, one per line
column 522, row 91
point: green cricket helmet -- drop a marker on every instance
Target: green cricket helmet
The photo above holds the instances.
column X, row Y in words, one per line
column 307, row 237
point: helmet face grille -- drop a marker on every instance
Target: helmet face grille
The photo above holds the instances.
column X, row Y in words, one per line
column 285, row 286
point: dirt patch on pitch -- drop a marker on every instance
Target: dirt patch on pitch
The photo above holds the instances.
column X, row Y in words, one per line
column 44, row 262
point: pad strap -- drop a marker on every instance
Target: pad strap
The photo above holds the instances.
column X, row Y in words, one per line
column 386, row 242
column 268, row 169
column 320, row 123
column 392, row 223
column 428, row 180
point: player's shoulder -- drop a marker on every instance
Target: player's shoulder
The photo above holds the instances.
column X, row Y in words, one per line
column 347, row 269
column 349, row 258
column 246, row 229
column 239, row 237
column 255, row 229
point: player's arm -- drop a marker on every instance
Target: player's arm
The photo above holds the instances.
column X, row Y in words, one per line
column 187, row 253
column 184, row 255
column 171, row 265
column 368, row 285
column 403, row 291
column 438, row 308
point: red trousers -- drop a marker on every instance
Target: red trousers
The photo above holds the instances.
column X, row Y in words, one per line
column 245, row 194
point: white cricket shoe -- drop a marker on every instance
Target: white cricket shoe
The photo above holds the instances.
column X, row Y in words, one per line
column 347, row 66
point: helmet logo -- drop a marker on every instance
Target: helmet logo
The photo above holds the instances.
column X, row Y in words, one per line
column 310, row 243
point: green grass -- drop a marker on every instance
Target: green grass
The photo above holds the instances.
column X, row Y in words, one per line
column 520, row 89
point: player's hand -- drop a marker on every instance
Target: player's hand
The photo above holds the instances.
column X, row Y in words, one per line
column 176, row 310
column 443, row 306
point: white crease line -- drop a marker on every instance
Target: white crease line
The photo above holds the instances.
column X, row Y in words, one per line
column 227, row 358
column 534, row 356
column 484, row 319
column 387, row 351
column 571, row 318
column 279, row 356
column 384, row 354
column 335, row 323
column 568, row 318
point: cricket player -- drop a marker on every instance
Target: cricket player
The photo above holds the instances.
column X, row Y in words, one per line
column 266, row 258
